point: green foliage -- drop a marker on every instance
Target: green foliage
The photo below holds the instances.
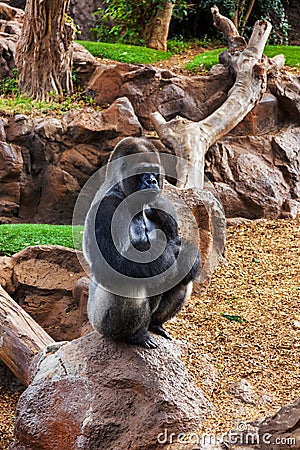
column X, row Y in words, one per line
column 272, row 10
column 177, row 45
column 232, row 317
column 16, row 237
column 125, row 53
column 9, row 85
column 206, row 60
column 125, row 20
column 14, row 103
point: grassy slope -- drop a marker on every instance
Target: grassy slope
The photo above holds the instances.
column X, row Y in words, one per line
column 125, row 53
column 210, row 58
column 14, row 238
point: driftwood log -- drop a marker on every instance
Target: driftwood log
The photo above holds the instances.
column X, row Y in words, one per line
column 21, row 338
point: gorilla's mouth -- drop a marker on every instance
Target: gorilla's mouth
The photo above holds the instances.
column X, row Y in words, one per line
column 150, row 190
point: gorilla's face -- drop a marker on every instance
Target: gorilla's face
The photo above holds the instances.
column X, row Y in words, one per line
column 147, row 179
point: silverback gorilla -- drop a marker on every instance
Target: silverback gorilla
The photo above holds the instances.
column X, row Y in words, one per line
column 142, row 270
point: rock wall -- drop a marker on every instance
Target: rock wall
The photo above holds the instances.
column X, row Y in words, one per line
column 45, row 162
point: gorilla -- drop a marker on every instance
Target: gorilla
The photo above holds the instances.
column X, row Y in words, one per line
column 142, row 270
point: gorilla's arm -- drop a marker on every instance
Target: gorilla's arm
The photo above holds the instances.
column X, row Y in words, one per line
column 101, row 249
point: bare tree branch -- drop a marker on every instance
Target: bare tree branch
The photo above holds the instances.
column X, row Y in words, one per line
column 191, row 140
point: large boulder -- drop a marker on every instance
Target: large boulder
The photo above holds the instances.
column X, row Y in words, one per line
column 282, row 430
column 94, row 393
column 150, row 89
column 49, row 283
column 257, row 176
column 82, row 13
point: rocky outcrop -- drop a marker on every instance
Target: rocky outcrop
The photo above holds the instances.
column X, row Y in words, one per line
column 93, row 393
column 10, row 30
column 150, row 89
column 46, row 161
column 49, row 283
column 282, row 430
column 257, row 176
column 278, row 432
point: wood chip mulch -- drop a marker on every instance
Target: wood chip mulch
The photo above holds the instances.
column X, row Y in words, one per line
column 258, row 338
column 259, row 291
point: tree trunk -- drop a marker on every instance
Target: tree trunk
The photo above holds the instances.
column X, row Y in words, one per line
column 158, row 29
column 191, row 140
column 21, row 338
column 44, row 50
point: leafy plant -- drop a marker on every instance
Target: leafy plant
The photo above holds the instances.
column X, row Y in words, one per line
column 126, row 20
column 232, row 317
column 9, row 85
column 177, row 45
column 244, row 14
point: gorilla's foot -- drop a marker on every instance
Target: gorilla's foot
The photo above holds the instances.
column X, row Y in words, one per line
column 159, row 329
column 142, row 338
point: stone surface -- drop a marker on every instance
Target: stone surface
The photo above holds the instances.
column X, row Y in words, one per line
column 150, row 89
column 84, row 64
column 282, row 430
column 10, row 29
column 82, row 13
column 243, row 391
column 94, row 393
column 278, row 432
column 41, row 279
column 256, row 176
column 47, row 161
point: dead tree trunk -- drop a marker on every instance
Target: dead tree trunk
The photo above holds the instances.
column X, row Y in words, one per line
column 191, row 140
column 158, row 29
column 21, row 338
column 44, row 50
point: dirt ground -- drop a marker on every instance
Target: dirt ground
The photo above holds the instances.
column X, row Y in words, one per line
column 260, row 285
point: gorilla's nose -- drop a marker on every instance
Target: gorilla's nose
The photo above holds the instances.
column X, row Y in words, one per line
column 151, row 181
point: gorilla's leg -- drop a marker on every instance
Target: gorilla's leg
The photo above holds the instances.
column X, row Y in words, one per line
column 171, row 303
column 120, row 318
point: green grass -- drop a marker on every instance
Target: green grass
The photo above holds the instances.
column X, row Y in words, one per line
column 16, row 237
column 208, row 59
column 130, row 54
column 22, row 104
